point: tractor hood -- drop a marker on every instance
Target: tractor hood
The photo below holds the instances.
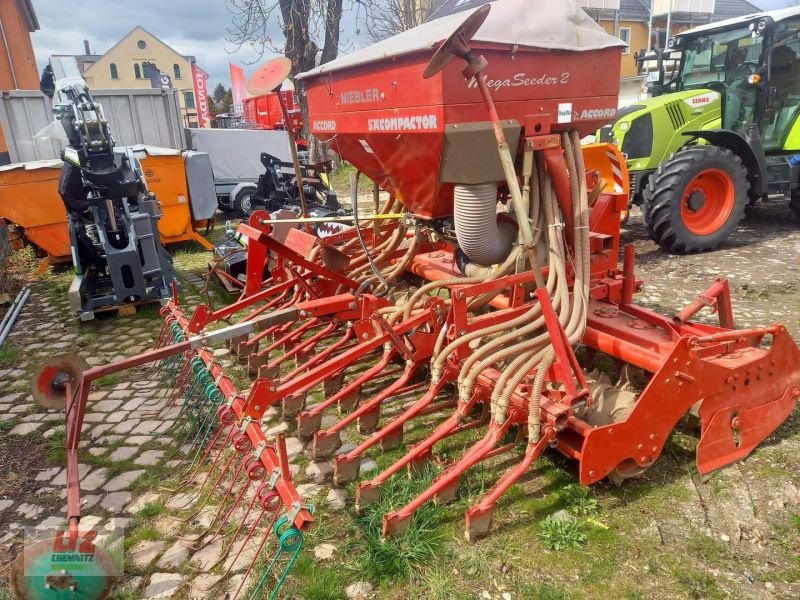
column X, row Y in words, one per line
column 647, row 132
column 692, row 99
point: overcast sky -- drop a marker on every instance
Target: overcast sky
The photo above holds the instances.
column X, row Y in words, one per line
column 195, row 27
column 192, row 27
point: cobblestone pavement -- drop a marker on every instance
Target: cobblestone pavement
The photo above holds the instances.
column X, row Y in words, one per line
column 761, row 261
column 127, row 449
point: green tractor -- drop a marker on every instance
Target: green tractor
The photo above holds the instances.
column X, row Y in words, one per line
column 722, row 133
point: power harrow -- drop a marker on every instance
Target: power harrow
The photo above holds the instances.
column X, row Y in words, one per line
column 482, row 305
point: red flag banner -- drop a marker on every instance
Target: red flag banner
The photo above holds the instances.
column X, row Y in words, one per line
column 238, row 84
column 199, row 80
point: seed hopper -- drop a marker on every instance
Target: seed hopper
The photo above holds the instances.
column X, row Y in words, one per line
column 479, row 298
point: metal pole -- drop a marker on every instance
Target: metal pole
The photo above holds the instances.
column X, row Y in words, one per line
column 13, row 314
column 337, row 219
column 293, row 147
column 669, row 22
column 650, row 31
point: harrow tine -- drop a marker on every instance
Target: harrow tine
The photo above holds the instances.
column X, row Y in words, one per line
column 269, row 501
column 187, row 479
column 214, row 486
column 221, row 505
column 444, row 487
column 190, row 387
column 215, row 399
column 419, row 454
column 309, row 421
column 227, row 516
column 367, row 415
column 257, row 552
column 290, row 540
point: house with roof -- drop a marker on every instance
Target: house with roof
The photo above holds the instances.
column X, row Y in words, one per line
column 630, row 21
column 127, row 66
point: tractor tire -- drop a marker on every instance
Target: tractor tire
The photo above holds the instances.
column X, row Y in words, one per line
column 243, row 202
column 794, row 203
column 695, row 199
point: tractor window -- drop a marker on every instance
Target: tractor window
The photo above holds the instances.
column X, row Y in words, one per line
column 723, row 62
column 782, row 103
column 719, row 58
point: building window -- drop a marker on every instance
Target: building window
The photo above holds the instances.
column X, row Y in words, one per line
column 137, row 71
column 625, row 36
column 188, row 99
column 176, row 70
column 146, row 71
column 141, row 44
column 113, row 68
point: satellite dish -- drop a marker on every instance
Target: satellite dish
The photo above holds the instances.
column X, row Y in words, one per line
column 458, row 42
column 269, row 76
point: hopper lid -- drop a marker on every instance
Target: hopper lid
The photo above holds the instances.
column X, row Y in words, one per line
column 542, row 24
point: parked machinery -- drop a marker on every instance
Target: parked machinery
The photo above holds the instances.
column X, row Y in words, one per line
column 278, row 187
column 458, row 318
column 112, row 219
column 721, row 134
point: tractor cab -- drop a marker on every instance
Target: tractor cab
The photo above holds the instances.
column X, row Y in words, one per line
column 728, row 114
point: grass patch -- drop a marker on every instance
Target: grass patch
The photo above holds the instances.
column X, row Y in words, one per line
column 107, row 381
column 579, row 500
column 561, row 532
column 316, row 582
column 699, row 586
column 706, row 548
column 56, row 444
column 402, row 555
column 154, row 509
column 543, row 591
column 10, row 355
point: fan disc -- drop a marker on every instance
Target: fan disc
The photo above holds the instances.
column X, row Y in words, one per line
column 269, row 76
column 51, row 377
column 466, row 31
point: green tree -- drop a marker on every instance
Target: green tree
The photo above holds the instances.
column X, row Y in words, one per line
column 219, row 93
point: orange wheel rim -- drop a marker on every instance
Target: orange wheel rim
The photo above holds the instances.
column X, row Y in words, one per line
column 707, row 202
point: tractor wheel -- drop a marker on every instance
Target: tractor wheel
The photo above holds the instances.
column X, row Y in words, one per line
column 695, row 199
column 243, row 202
column 794, row 203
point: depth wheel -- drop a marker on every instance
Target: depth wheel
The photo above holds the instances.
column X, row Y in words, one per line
column 695, row 199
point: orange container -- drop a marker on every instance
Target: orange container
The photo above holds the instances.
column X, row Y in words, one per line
column 29, row 198
column 165, row 175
